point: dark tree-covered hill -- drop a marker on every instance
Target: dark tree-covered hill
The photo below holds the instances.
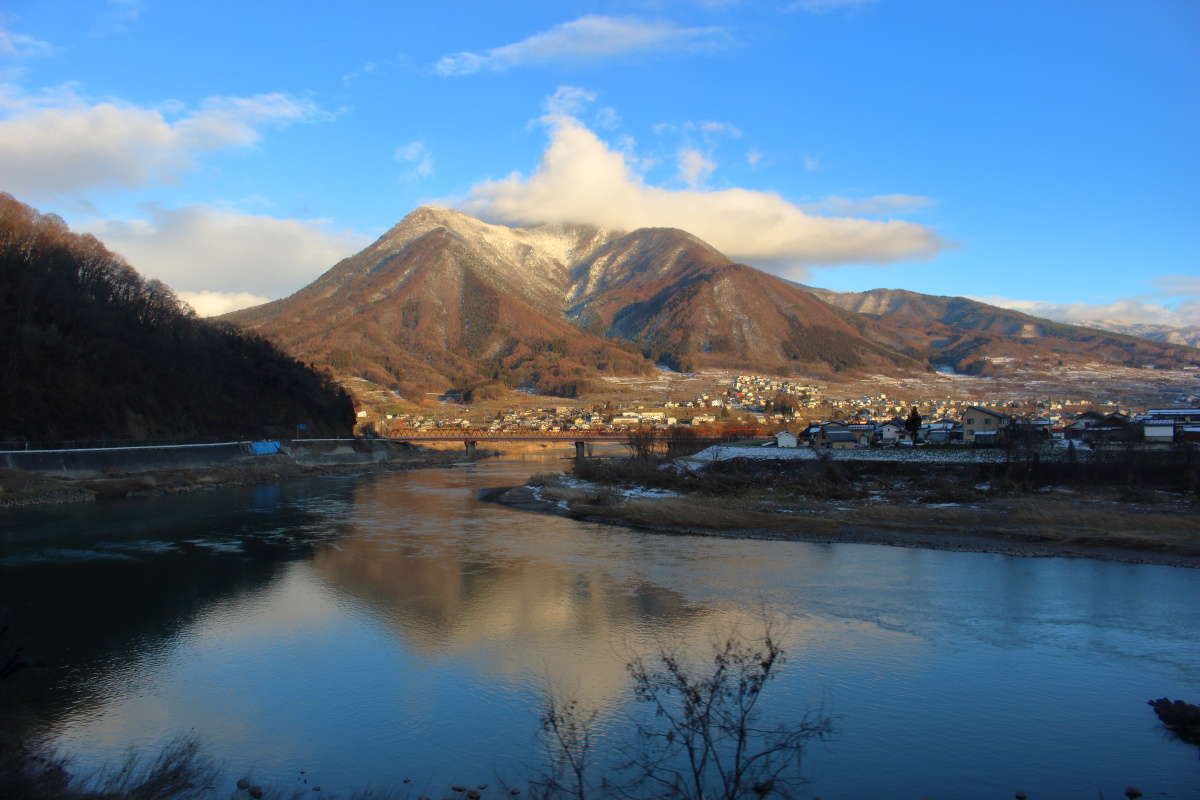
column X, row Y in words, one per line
column 91, row 350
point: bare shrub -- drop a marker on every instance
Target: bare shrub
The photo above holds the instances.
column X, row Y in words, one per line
column 643, row 445
column 568, row 734
column 709, row 741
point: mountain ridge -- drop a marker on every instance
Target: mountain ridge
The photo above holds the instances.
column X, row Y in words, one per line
column 949, row 323
column 442, row 300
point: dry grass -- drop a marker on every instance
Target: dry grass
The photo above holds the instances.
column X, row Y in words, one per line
column 1041, row 521
column 692, row 513
column 179, row 771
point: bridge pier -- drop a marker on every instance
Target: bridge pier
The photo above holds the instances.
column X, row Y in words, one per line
column 580, row 450
column 470, row 448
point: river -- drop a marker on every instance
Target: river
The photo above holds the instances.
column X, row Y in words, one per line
column 368, row 629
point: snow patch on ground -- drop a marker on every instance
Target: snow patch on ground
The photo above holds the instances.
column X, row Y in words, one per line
column 571, row 482
column 536, row 491
column 918, row 455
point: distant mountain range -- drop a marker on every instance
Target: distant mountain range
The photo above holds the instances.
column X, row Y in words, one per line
column 977, row 338
column 1186, row 335
column 443, row 301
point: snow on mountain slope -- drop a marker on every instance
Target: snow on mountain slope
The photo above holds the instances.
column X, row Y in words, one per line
column 535, row 261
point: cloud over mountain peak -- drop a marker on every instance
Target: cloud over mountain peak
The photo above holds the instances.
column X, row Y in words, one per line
column 581, row 179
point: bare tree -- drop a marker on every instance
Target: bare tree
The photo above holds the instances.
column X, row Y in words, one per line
column 642, row 444
column 709, row 742
column 567, row 732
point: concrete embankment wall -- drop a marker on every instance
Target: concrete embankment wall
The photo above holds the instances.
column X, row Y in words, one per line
column 103, row 461
column 97, row 462
column 315, row 452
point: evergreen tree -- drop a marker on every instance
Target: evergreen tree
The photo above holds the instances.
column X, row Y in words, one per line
column 913, row 424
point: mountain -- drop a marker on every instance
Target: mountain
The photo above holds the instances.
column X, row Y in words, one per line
column 1188, row 335
column 688, row 305
column 976, row 338
column 444, row 301
column 94, row 351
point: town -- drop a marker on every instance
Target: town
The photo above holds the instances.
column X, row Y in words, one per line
column 812, row 415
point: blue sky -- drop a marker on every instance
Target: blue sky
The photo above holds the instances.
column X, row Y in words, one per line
column 1043, row 153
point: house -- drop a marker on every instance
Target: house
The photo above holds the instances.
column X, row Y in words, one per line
column 892, row 431
column 1158, row 431
column 785, row 439
column 834, row 437
column 863, row 432
column 1038, row 427
column 939, row 432
column 1189, row 415
column 1092, row 426
column 978, row 420
column 810, row 433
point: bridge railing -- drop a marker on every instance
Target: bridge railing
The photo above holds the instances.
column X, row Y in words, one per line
column 482, row 434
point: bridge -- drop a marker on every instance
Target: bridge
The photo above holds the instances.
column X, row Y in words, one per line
column 471, row 437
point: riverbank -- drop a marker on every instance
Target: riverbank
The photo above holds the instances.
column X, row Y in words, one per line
column 1164, row 529
column 24, row 487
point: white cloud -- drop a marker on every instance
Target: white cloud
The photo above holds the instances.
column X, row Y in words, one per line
column 811, row 163
column 417, row 154
column 568, row 100
column 21, row 45
column 582, row 179
column 213, row 304
column 608, row 119
column 208, row 253
column 119, row 16
column 714, row 129
column 1178, row 286
column 694, row 167
column 589, row 38
column 369, row 68
column 754, row 158
column 54, row 142
column 825, row 6
column 880, row 205
column 706, row 129
column 14, row 100
column 1142, row 310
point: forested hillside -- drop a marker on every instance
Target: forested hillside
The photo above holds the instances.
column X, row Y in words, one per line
column 91, row 350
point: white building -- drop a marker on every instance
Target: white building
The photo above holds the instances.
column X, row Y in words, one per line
column 785, row 439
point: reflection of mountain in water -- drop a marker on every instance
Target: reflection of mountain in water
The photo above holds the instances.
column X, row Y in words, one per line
column 91, row 592
column 504, row 599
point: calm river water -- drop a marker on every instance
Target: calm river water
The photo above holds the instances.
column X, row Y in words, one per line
column 374, row 628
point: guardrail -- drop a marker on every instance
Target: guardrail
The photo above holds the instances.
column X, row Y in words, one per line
column 20, row 445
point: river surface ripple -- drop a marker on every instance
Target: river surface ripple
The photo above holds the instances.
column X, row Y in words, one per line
column 375, row 628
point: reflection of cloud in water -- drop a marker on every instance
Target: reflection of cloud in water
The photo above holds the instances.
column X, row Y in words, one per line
column 504, row 598
column 292, row 606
